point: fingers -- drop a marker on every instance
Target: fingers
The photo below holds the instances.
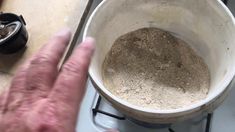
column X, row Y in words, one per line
column 38, row 72
column 18, row 82
column 11, row 98
column 3, row 101
column 70, row 84
column 43, row 66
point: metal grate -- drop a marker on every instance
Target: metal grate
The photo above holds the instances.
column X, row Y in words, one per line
column 96, row 110
column 225, row 2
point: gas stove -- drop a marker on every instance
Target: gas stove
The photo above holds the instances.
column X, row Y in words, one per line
column 97, row 115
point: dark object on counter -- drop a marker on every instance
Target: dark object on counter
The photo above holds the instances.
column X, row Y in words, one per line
column 13, row 34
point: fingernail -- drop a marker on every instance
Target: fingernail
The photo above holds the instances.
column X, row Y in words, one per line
column 64, row 32
column 89, row 42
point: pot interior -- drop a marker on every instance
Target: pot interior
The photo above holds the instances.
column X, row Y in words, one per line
column 205, row 24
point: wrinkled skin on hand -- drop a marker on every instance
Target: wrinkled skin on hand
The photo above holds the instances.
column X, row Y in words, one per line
column 43, row 99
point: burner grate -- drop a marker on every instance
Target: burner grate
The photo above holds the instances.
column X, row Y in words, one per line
column 96, row 110
column 225, row 2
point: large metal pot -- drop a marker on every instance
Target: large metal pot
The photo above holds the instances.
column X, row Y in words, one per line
column 207, row 25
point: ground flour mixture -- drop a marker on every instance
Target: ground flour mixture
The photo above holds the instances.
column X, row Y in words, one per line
column 151, row 68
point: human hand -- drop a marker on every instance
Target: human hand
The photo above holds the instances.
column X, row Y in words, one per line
column 43, row 99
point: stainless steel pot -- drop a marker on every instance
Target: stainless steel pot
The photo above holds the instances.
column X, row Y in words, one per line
column 207, row 25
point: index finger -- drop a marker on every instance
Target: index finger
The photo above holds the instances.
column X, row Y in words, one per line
column 70, row 84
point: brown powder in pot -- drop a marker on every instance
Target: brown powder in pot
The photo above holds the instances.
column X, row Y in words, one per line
column 151, row 68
